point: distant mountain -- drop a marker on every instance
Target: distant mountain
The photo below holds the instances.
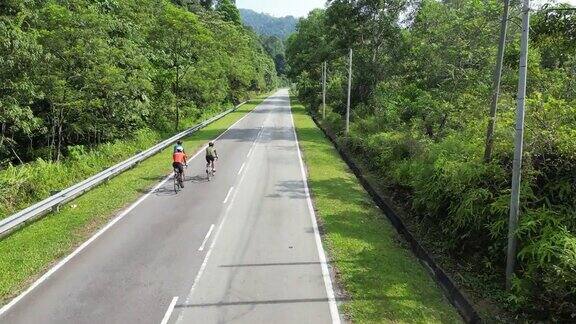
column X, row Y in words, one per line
column 265, row 24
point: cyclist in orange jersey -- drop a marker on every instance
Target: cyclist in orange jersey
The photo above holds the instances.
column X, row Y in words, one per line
column 179, row 160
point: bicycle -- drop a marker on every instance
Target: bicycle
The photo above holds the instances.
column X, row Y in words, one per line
column 209, row 172
column 210, row 168
column 178, row 179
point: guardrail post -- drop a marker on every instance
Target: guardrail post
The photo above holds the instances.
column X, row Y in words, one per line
column 138, row 161
column 55, row 208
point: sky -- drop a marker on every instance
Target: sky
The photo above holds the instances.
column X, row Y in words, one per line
column 540, row 2
column 281, row 8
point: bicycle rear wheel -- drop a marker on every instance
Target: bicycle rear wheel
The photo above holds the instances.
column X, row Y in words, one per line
column 181, row 180
column 176, row 183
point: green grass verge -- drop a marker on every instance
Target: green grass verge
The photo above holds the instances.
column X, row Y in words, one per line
column 384, row 280
column 30, row 251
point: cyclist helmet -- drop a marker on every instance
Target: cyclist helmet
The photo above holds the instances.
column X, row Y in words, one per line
column 179, row 149
column 211, row 144
column 179, row 143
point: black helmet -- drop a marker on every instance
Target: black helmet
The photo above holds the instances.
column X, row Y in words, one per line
column 211, row 144
column 179, row 142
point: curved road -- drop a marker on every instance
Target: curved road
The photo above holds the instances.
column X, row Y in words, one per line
column 243, row 248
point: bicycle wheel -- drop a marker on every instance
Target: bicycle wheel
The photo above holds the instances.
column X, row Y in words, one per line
column 178, row 185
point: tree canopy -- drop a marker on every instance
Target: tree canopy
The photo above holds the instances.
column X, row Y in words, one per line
column 421, row 90
column 228, row 11
column 82, row 72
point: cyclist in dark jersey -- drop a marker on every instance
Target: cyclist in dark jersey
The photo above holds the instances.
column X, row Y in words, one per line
column 211, row 156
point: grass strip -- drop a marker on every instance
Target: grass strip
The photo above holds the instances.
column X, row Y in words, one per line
column 27, row 253
column 384, row 280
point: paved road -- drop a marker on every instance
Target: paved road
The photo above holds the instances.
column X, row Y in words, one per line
column 243, row 248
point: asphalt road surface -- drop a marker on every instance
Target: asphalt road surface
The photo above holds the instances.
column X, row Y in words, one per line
column 242, row 248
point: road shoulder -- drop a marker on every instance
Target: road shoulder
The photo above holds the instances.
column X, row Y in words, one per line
column 384, row 281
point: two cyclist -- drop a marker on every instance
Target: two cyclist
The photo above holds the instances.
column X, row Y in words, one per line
column 179, row 157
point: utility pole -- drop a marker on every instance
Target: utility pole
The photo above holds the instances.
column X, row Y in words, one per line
column 349, row 93
column 518, row 147
column 324, row 72
column 496, row 85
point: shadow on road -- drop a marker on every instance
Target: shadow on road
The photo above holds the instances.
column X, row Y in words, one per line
column 281, row 301
column 280, row 264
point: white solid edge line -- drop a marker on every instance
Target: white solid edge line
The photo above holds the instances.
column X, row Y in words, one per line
column 321, row 254
column 228, row 194
column 169, row 311
column 206, row 238
column 79, row 249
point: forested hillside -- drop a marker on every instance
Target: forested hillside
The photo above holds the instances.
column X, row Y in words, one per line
column 273, row 34
column 265, row 24
column 276, row 49
column 421, row 94
column 114, row 76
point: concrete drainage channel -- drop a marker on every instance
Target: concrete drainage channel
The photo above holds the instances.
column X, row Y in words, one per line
column 52, row 203
column 451, row 291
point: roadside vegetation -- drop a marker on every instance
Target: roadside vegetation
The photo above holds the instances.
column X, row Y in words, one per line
column 85, row 84
column 383, row 280
column 30, row 251
column 420, row 105
column 24, row 185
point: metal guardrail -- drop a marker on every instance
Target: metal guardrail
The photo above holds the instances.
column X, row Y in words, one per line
column 9, row 224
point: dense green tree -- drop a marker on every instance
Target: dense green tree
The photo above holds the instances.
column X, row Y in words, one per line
column 555, row 32
column 229, row 12
column 275, row 48
column 19, row 55
column 421, row 95
column 83, row 72
column 195, row 5
column 176, row 38
column 372, row 29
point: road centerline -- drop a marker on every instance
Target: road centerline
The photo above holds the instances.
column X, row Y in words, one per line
column 216, row 234
column 228, row 194
column 270, row 210
column 169, row 311
column 206, row 238
column 210, row 249
column 241, row 168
